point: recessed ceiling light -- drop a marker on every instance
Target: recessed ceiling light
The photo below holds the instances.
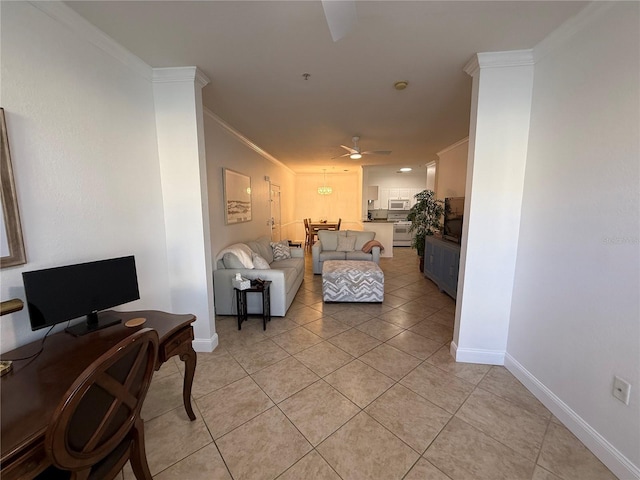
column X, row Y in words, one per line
column 406, row 169
column 401, row 85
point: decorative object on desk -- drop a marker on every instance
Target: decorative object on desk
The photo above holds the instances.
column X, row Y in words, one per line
column 9, row 306
column 135, row 322
column 11, row 245
column 5, row 367
column 425, row 218
column 240, row 282
column 324, row 189
column 237, row 197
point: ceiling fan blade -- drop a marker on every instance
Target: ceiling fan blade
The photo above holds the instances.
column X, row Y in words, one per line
column 377, row 152
column 340, row 156
column 349, row 149
column 341, row 17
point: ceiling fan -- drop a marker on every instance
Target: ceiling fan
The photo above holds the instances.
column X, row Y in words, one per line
column 354, row 153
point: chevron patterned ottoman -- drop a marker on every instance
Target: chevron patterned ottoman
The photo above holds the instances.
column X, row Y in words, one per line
column 352, row 281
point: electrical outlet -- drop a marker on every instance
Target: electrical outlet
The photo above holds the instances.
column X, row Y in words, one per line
column 621, row 390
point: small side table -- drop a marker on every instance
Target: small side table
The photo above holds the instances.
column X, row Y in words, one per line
column 241, row 303
column 295, row 243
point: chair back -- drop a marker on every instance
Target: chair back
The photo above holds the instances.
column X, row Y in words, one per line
column 306, row 225
column 338, row 224
column 102, row 407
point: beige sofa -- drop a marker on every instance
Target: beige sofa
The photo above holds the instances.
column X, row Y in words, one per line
column 286, row 277
column 326, row 246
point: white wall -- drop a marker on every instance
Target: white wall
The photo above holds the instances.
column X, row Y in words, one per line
column 575, row 311
column 345, row 202
column 83, row 145
column 227, row 148
column 451, row 170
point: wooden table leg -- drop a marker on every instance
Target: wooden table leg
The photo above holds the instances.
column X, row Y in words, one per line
column 188, row 356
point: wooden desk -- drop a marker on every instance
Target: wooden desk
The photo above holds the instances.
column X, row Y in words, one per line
column 30, row 393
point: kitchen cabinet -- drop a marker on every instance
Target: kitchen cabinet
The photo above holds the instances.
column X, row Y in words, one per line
column 442, row 263
column 383, row 198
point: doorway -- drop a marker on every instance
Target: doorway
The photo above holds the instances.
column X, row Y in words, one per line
column 276, row 218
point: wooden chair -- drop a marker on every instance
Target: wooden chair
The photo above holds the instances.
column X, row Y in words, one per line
column 309, row 234
column 338, row 224
column 97, row 427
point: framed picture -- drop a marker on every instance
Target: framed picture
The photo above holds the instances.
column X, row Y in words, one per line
column 237, row 197
column 11, row 243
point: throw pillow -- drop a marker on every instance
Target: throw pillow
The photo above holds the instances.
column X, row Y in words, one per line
column 231, row 261
column 346, row 244
column 281, row 250
column 260, row 263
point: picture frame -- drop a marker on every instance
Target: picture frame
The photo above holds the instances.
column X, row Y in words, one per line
column 12, row 251
column 237, row 197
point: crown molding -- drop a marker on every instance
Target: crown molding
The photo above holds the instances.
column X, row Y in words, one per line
column 568, row 29
column 242, row 139
column 511, row 58
column 451, row 147
column 86, row 30
column 180, row 74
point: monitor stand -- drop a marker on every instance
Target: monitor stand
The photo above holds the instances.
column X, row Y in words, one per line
column 94, row 322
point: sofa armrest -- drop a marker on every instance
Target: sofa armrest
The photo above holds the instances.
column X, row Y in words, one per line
column 316, row 249
column 375, row 254
column 297, row 252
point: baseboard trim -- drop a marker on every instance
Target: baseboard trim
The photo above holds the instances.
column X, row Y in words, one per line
column 205, row 345
column 619, row 464
column 475, row 355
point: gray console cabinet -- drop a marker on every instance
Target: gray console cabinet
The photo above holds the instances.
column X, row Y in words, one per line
column 441, row 264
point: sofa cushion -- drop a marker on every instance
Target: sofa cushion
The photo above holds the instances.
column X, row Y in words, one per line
column 281, row 250
column 329, row 238
column 346, row 244
column 289, row 263
column 241, row 251
column 259, row 263
column 332, row 255
column 262, row 246
column 358, row 255
column 361, row 237
column 230, row 260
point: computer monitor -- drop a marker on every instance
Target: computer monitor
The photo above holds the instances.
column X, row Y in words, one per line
column 60, row 294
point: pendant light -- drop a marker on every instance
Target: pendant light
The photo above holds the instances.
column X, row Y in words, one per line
column 324, row 190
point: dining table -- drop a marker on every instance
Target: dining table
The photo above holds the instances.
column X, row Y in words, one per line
column 315, row 226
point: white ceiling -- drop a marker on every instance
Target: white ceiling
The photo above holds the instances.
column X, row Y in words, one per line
column 256, row 52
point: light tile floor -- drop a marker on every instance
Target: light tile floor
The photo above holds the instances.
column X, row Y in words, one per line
column 355, row 391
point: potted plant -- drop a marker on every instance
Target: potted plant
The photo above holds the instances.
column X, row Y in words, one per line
column 425, row 218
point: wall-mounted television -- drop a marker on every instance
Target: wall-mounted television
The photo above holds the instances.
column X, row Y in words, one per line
column 59, row 294
column 453, row 216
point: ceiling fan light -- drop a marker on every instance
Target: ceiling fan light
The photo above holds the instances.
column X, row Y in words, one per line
column 355, row 156
column 405, row 169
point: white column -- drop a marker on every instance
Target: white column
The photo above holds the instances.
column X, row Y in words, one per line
column 179, row 121
column 498, row 137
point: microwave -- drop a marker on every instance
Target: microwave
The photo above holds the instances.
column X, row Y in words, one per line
column 400, row 204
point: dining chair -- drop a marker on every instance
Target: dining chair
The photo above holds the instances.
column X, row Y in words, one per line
column 97, row 427
column 338, row 224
